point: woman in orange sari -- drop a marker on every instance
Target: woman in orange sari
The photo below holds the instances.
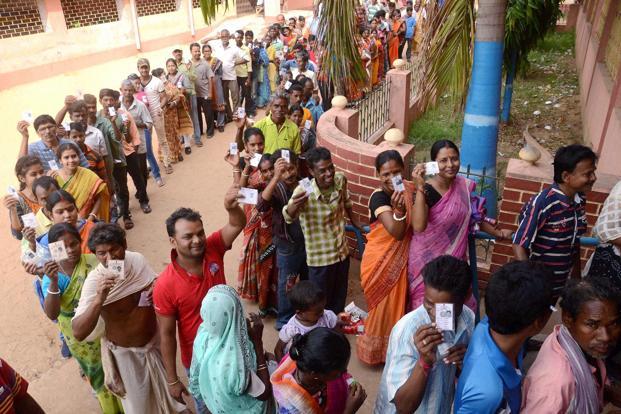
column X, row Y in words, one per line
column 90, row 192
column 397, row 32
column 384, row 266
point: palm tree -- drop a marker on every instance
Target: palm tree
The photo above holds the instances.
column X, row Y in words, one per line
column 209, row 7
column 527, row 22
column 479, row 137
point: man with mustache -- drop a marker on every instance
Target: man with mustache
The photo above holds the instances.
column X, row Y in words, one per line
column 569, row 373
column 196, row 265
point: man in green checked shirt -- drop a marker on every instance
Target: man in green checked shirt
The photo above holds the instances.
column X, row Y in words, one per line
column 322, row 216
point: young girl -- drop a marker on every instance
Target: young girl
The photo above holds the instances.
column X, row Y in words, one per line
column 256, row 278
column 27, row 169
column 313, row 378
column 309, row 302
column 309, row 139
column 90, row 191
column 77, row 134
column 42, row 187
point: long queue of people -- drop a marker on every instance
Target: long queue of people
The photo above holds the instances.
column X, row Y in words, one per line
column 123, row 323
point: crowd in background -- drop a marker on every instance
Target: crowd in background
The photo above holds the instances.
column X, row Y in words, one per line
column 123, row 323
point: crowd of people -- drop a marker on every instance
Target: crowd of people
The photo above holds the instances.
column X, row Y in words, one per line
column 123, row 323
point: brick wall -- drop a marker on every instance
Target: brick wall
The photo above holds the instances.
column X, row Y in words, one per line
column 80, row 13
column 243, row 7
column 522, row 182
column 149, row 7
column 19, row 18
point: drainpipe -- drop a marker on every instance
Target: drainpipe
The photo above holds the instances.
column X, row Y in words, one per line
column 191, row 18
column 132, row 6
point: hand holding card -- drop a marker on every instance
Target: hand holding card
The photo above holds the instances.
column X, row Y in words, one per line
column 27, row 116
column 307, row 185
column 397, row 183
column 445, row 320
column 233, row 148
column 432, row 168
column 29, row 220
column 285, row 155
column 256, row 159
column 58, row 251
column 248, row 195
column 117, row 268
column 12, row 191
column 53, row 165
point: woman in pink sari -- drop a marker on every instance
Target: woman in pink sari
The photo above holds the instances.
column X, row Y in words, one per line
column 443, row 217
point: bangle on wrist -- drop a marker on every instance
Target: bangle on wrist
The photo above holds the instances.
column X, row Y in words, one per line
column 170, row 384
column 394, row 216
column 245, row 175
column 236, row 170
column 57, row 292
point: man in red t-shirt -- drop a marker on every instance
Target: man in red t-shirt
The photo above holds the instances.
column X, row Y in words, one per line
column 196, row 265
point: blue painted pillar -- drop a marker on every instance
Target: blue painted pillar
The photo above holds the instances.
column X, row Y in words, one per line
column 479, row 137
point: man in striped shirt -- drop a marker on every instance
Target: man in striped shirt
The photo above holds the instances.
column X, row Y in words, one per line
column 552, row 221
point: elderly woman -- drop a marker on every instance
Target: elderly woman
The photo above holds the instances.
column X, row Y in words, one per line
column 229, row 369
column 176, row 116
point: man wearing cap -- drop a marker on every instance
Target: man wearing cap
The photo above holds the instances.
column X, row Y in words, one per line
column 154, row 90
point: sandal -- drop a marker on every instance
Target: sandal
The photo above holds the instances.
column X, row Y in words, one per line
column 168, row 169
column 128, row 223
column 159, row 181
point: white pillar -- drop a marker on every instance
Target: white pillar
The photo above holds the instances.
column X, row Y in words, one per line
column 272, row 8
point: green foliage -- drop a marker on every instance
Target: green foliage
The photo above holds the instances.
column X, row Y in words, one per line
column 527, row 22
column 435, row 124
column 341, row 62
column 209, row 8
column 446, row 53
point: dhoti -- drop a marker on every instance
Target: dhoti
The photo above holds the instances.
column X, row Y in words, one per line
column 138, row 377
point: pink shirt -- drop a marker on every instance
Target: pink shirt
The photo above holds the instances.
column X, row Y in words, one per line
column 550, row 385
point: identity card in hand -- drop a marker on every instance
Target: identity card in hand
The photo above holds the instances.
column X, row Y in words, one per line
column 444, row 317
column 111, row 111
column 307, row 124
column 233, row 148
column 397, row 183
column 12, row 191
column 27, row 116
column 288, row 84
column 256, row 159
column 307, row 185
column 285, row 155
column 145, row 299
column 117, row 268
column 432, row 168
column 53, row 165
column 58, row 251
column 248, row 195
column 29, row 220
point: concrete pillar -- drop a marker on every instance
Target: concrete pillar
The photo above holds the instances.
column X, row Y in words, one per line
column 52, row 16
column 398, row 111
column 272, row 8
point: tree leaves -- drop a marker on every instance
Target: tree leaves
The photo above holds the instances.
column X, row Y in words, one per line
column 209, row 8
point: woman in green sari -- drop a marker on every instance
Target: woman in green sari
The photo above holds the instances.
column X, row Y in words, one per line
column 229, row 368
column 62, row 286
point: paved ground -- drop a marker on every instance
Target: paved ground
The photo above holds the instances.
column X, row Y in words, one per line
column 27, row 338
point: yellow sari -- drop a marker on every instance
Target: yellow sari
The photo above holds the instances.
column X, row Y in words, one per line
column 86, row 186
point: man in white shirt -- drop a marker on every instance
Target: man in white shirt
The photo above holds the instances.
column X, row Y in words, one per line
column 301, row 59
column 231, row 56
column 154, row 90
